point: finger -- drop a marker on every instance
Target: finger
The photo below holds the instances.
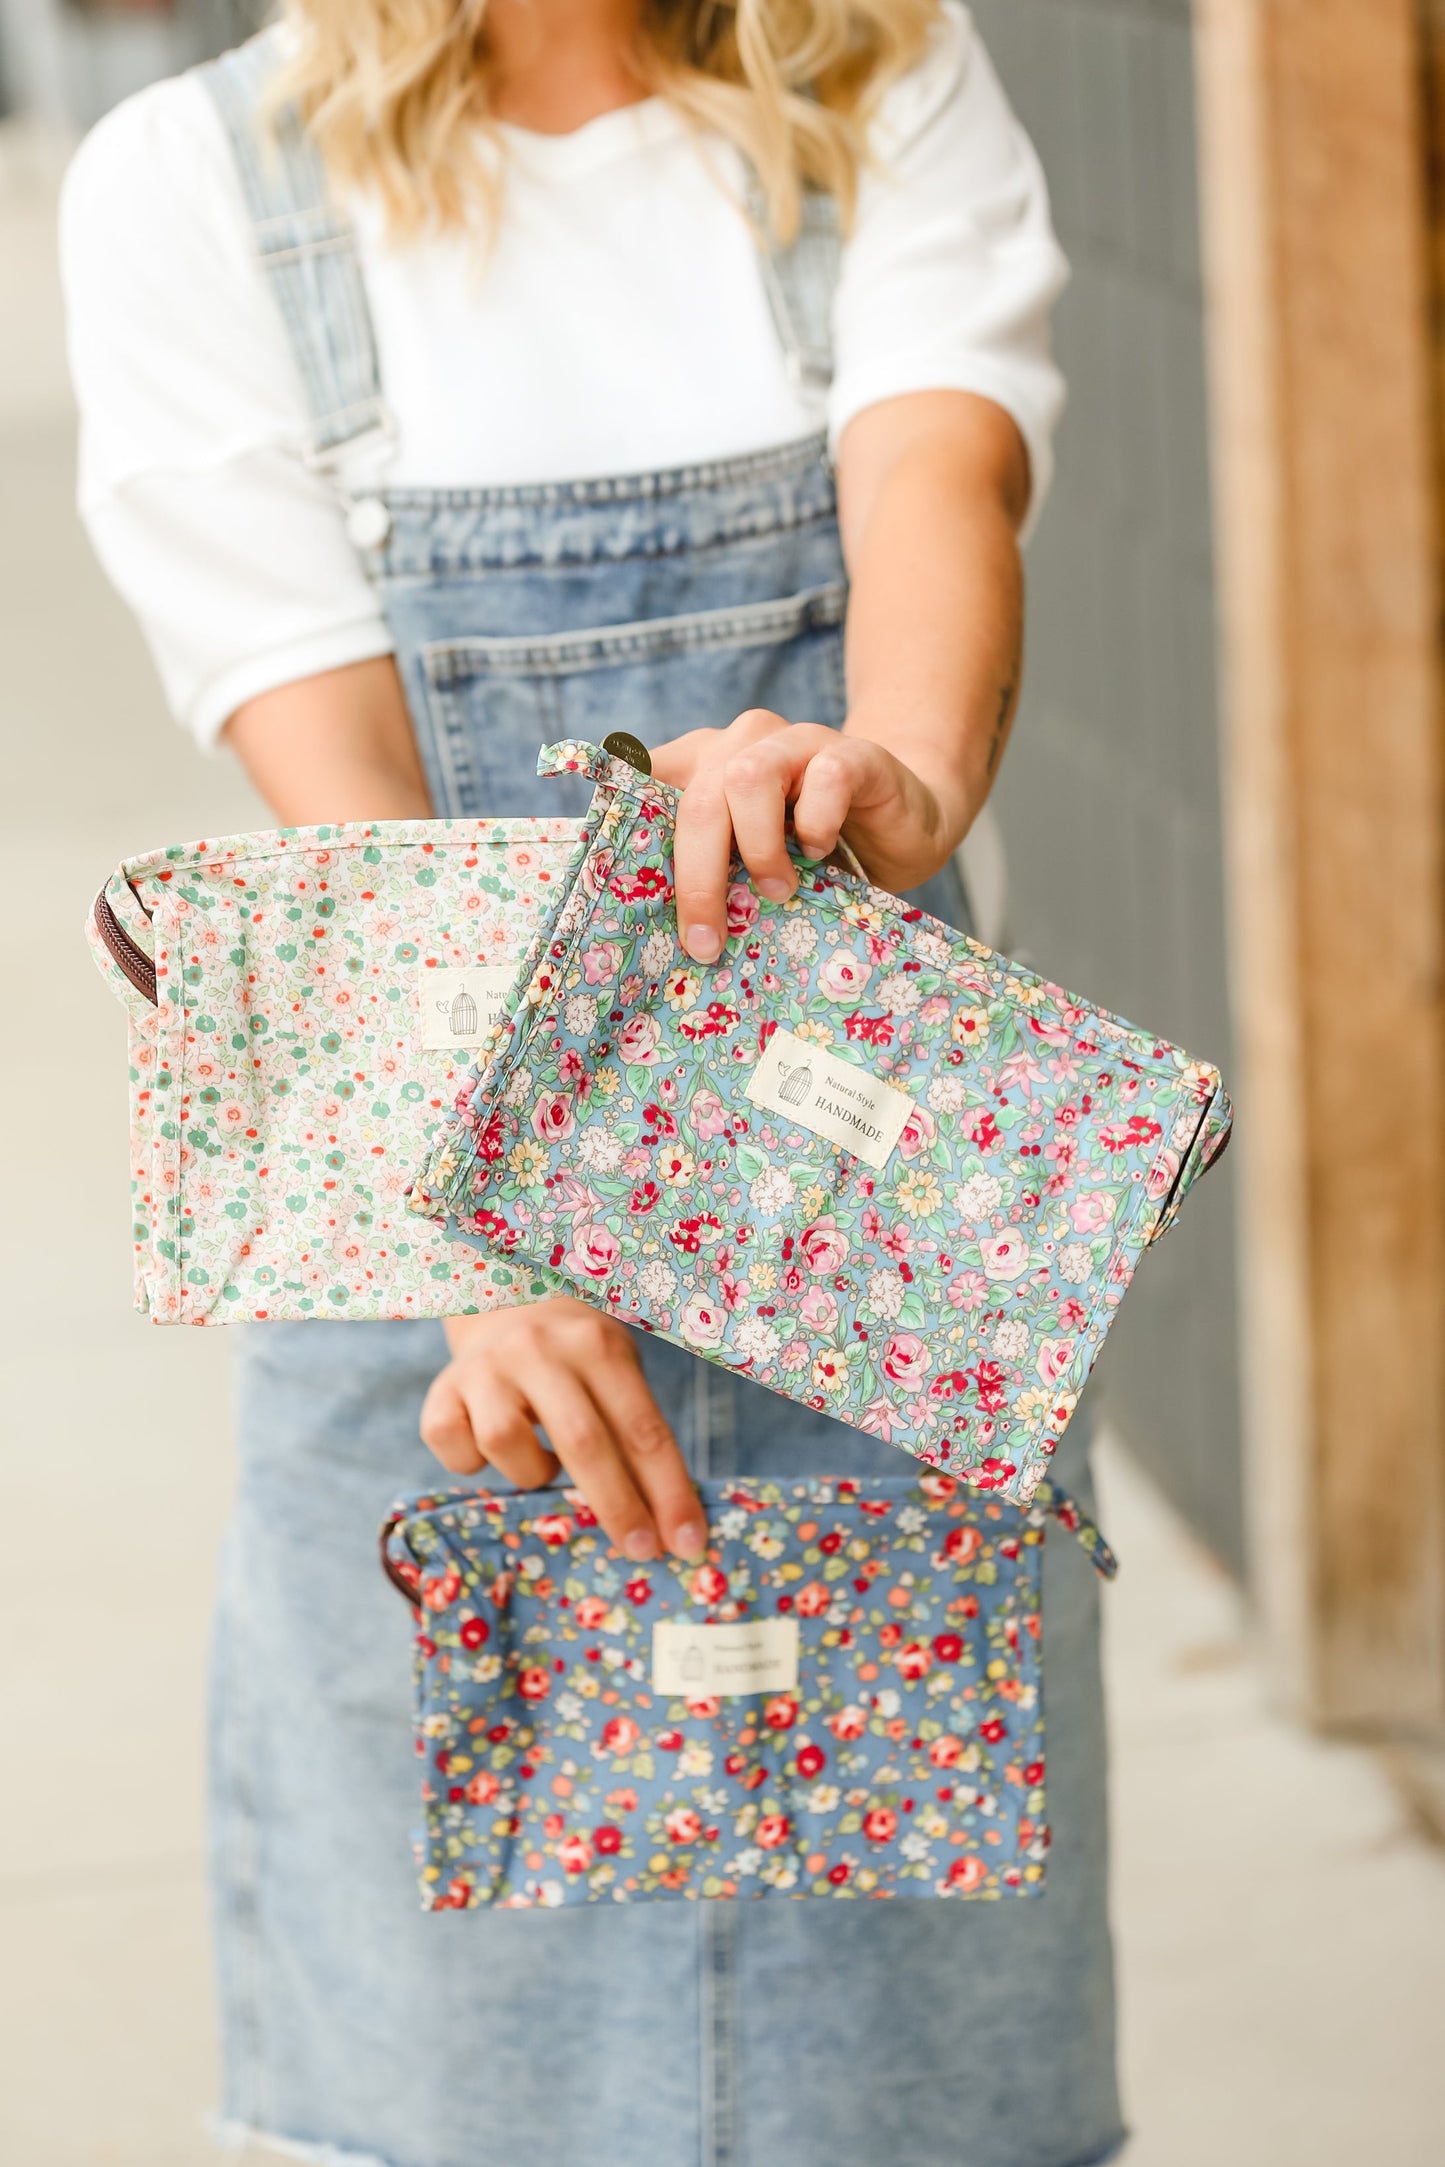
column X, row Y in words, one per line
column 633, row 1416
column 579, row 1435
column 471, row 1422
column 757, row 795
column 825, row 798
column 702, row 852
column 504, row 1434
column 446, row 1428
column 679, row 759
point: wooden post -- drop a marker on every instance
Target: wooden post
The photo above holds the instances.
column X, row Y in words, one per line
column 1313, row 170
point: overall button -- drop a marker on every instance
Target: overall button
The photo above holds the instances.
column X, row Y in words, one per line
column 368, row 522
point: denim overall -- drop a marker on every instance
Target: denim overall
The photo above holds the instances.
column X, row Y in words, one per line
column 786, row 2034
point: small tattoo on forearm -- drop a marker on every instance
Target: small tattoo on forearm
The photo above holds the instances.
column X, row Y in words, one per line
column 1000, row 725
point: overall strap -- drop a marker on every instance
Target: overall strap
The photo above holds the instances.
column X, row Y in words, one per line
column 800, row 280
column 308, row 252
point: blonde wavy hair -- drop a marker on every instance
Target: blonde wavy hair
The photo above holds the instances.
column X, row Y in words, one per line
column 394, row 93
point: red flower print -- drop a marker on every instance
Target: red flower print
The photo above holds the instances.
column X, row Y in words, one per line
column 607, row 1839
column 708, row 1585
column 811, row 1759
column 811, row 1601
column 575, row 1854
column 915, row 1660
column 683, row 1825
column 850, row 1722
column 444, row 1588
column 839, row 1874
column 639, row 1590
column 870, row 1030
column 533, row 1683
column 967, row 1874
column 945, row 1752
column 491, row 1142
column 948, row 1647
column 590, row 1612
column 619, row 1735
column 639, row 887
column 773, row 1829
column 781, row 1713
column 990, row 1385
column 475, row 1632
column 690, row 1234
column 993, row 1731
column 881, row 1825
column 962, row 1544
column 714, row 1021
column 495, row 1228
column 482, row 1789
column 553, row 1528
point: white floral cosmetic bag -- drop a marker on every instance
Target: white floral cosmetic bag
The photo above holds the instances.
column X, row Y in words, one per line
column 304, row 1005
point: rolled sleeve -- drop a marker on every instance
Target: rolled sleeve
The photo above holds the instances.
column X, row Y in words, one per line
column 950, row 275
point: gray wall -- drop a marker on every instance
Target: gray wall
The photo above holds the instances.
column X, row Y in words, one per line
column 1110, row 795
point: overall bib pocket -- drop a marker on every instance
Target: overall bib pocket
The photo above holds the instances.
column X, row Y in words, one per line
column 492, row 703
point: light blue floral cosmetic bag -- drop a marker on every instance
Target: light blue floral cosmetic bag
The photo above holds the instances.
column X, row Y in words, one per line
column 861, row 1158
column 843, row 1699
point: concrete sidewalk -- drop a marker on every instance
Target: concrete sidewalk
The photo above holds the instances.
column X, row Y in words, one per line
column 1281, row 1928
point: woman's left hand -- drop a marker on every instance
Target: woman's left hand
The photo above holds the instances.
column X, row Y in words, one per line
column 741, row 784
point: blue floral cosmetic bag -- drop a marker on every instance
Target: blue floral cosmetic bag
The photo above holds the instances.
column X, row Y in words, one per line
column 844, row 1698
column 862, row 1159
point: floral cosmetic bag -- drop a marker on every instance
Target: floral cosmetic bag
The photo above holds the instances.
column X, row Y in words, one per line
column 843, row 1699
column 862, row 1159
column 303, row 1005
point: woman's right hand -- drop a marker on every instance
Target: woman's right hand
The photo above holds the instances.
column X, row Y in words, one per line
column 563, row 1368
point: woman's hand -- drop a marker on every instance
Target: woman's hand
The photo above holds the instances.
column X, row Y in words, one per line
column 559, row 1366
column 931, row 488
column 744, row 782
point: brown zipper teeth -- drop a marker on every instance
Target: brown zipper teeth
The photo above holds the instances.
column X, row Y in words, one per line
column 131, row 961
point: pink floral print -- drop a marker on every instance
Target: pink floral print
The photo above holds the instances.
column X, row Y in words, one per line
column 952, row 1300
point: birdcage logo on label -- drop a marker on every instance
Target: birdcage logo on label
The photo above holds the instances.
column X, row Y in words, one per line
column 797, row 1082
column 460, row 1011
column 457, row 1004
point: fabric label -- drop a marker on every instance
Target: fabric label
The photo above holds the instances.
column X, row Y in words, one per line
column 819, row 1091
column 755, row 1655
column 459, row 1007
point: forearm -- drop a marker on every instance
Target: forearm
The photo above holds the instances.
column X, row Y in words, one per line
column 935, row 615
column 337, row 746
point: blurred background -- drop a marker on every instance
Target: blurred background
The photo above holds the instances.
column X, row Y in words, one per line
column 1223, row 812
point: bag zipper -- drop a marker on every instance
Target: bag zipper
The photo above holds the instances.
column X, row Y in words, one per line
column 132, row 962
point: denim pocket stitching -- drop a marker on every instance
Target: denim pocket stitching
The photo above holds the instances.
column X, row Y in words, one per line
column 755, row 624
